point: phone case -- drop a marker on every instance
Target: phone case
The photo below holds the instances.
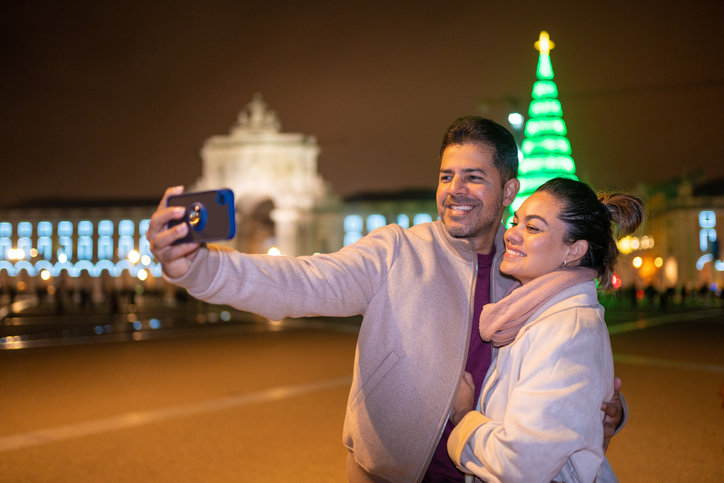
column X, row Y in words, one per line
column 210, row 215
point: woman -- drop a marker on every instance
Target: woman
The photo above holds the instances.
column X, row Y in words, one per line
column 539, row 415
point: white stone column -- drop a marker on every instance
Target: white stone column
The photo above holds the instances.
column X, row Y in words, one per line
column 286, row 226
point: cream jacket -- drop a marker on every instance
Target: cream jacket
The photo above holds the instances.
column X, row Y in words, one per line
column 415, row 289
column 539, row 417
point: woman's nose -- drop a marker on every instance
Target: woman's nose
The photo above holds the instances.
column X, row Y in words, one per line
column 511, row 235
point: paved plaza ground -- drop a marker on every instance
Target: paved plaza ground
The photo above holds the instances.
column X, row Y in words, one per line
column 258, row 401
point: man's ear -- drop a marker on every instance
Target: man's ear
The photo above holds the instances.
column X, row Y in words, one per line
column 510, row 191
column 577, row 250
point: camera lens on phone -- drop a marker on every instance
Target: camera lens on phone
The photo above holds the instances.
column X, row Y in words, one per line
column 197, row 216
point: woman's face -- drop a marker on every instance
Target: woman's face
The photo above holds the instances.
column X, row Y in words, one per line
column 534, row 244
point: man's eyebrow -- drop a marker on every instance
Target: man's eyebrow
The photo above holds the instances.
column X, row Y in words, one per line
column 464, row 170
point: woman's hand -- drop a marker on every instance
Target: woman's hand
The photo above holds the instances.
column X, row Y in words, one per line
column 464, row 401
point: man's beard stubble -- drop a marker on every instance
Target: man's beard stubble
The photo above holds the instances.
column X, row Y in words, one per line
column 485, row 221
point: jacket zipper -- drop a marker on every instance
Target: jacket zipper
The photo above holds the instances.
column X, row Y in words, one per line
column 471, row 309
column 492, row 278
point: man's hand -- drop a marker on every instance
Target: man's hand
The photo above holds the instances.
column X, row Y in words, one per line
column 464, row 401
column 614, row 412
column 175, row 259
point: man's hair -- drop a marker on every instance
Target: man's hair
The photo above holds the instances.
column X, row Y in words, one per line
column 478, row 130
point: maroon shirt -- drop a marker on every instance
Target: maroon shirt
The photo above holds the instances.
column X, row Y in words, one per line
column 441, row 467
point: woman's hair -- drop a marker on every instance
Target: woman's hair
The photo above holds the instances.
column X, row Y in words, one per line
column 589, row 217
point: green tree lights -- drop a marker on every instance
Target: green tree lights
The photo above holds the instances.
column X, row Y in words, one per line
column 546, row 150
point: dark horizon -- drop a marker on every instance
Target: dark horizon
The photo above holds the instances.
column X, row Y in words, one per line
column 117, row 101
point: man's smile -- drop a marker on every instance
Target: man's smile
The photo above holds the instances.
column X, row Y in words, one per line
column 460, row 207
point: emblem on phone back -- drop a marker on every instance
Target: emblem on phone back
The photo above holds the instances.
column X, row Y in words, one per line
column 210, row 215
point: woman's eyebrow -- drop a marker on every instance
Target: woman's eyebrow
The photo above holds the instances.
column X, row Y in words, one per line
column 536, row 217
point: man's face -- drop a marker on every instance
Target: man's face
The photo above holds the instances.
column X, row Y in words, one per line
column 471, row 195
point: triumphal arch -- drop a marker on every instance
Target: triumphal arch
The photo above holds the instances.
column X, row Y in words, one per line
column 274, row 178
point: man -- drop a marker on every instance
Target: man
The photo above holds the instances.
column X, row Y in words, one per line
column 420, row 291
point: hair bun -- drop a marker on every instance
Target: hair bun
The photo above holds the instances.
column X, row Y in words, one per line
column 626, row 211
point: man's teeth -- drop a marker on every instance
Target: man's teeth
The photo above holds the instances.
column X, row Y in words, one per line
column 461, row 208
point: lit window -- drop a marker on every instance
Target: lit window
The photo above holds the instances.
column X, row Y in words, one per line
column 707, row 219
column 85, row 228
column 375, row 221
column 85, row 247
column 45, row 228
column 144, row 246
column 24, row 244
column 25, row 229
column 105, row 247
column 5, row 246
column 403, row 221
column 126, row 228
column 125, row 245
column 143, row 227
column 421, row 218
column 353, row 226
column 65, row 228
column 6, row 229
column 353, row 223
column 66, row 245
column 706, row 235
column 105, row 228
column 351, row 237
column 45, row 246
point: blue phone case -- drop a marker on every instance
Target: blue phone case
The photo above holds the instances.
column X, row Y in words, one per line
column 210, row 215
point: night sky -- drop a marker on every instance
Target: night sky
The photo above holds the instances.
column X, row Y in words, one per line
column 115, row 99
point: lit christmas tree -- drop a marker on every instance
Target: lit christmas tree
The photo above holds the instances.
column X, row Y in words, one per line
column 546, row 150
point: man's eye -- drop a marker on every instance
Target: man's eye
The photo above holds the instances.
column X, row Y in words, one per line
column 513, row 223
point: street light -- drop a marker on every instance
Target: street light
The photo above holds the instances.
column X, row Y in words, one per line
column 516, row 120
column 133, row 256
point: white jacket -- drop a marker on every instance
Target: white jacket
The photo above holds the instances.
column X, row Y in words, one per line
column 539, row 417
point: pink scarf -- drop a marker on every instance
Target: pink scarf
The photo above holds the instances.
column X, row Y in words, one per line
column 501, row 321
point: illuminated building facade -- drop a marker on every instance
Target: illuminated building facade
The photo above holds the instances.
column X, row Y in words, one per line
column 365, row 212
column 282, row 203
column 95, row 241
column 679, row 245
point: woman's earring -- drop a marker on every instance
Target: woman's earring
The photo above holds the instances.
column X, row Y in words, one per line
column 565, row 263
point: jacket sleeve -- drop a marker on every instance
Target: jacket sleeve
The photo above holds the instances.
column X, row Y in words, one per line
column 553, row 410
column 338, row 284
column 624, row 414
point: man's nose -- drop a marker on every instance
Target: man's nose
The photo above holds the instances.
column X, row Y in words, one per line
column 458, row 185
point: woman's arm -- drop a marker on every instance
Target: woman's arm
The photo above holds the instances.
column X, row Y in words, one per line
column 552, row 411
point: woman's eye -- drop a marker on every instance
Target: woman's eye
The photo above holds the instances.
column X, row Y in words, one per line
column 532, row 228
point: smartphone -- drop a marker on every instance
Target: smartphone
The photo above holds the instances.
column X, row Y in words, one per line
column 210, row 215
